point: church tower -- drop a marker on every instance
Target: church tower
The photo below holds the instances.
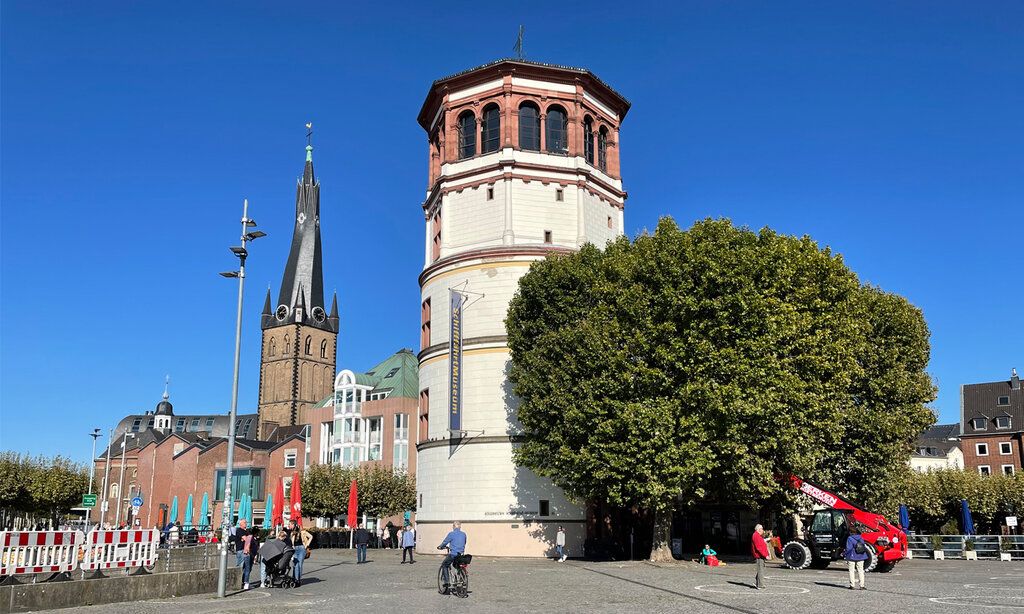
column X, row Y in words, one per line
column 300, row 340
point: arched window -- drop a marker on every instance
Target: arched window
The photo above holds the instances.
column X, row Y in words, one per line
column 287, row 347
column 113, row 490
column 309, row 344
column 491, row 129
column 273, row 347
column 602, row 149
column 467, row 135
column 588, row 139
column 323, row 349
column 557, row 130
column 529, row 126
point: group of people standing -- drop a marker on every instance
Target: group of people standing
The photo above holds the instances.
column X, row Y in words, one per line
column 855, row 553
column 247, row 544
column 405, row 537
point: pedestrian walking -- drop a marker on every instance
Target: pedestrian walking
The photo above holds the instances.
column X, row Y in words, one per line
column 560, row 544
column 248, row 551
column 759, row 549
column 408, row 542
column 238, row 536
column 361, row 539
column 301, row 538
column 856, row 553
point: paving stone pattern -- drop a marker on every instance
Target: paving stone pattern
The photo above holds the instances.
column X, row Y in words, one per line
column 335, row 583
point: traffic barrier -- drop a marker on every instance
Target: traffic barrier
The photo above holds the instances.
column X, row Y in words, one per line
column 121, row 549
column 30, row 552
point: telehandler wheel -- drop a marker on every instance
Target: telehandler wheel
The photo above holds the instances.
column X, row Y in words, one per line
column 872, row 562
column 797, row 555
column 885, row 566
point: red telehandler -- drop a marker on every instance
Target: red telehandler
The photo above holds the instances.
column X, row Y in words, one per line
column 825, row 533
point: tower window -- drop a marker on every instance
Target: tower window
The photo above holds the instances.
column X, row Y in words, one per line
column 609, row 221
column 273, row 347
column 547, row 236
column 559, row 195
column 529, row 126
column 436, row 227
column 490, row 193
column 309, row 344
column 323, row 349
column 424, row 430
column 602, row 149
column 491, row 129
column 557, row 130
column 425, row 324
column 467, row 135
column 588, row 139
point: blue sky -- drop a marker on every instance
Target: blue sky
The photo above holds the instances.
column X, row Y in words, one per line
column 891, row 132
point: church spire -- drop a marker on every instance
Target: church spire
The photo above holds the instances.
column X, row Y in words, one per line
column 303, row 280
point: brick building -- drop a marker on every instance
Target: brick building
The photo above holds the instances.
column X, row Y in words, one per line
column 992, row 426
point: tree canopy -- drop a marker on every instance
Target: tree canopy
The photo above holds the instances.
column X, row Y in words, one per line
column 703, row 364
column 382, row 490
column 39, row 488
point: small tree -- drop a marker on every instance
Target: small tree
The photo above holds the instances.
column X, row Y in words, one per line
column 325, row 490
column 384, row 491
column 15, row 475
column 56, row 485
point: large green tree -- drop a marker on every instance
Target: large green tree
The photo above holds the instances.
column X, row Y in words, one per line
column 55, row 486
column 702, row 364
column 383, row 491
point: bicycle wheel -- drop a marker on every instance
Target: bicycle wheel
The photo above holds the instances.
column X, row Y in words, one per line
column 440, row 580
column 462, row 582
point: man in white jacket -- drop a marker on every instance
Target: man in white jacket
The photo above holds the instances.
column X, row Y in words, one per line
column 560, row 544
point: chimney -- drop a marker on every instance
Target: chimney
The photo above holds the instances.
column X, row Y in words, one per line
column 1014, row 380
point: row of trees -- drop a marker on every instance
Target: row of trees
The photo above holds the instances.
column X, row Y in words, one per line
column 701, row 365
column 39, row 489
column 934, row 500
column 382, row 490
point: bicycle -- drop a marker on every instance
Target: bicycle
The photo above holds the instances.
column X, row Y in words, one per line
column 458, row 576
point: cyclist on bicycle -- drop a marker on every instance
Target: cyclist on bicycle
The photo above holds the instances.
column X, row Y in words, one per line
column 455, row 541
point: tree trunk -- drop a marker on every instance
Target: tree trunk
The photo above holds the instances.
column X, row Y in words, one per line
column 661, row 550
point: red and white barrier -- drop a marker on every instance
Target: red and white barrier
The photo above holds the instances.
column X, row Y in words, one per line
column 121, row 549
column 25, row 552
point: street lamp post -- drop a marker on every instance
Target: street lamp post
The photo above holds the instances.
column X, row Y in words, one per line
column 106, row 482
column 241, row 252
column 95, row 434
column 120, row 484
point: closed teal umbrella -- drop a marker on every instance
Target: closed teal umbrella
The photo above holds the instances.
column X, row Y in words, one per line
column 243, row 508
column 248, row 509
column 269, row 512
column 204, row 510
column 188, row 513
column 174, row 509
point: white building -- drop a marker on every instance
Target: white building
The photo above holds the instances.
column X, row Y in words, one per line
column 524, row 161
column 938, row 448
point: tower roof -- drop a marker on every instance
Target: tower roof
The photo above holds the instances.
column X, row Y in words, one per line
column 525, row 68
column 302, row 286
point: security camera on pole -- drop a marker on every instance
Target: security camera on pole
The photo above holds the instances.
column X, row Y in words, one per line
column 241, row 252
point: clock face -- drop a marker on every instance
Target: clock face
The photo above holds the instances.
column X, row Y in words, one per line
column 282, row 313
column 319, row 315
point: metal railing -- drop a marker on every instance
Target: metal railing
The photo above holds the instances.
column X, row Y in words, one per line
column 954, row 546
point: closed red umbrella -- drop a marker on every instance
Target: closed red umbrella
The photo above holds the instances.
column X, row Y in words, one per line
column 296, row 499
column 278, row 519
column 353, row 505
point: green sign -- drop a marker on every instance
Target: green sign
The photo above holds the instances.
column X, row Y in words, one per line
column 89, row 501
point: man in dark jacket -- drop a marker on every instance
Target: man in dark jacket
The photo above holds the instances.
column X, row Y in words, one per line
column 856, row 553
column 361, row 539
column 759, row 548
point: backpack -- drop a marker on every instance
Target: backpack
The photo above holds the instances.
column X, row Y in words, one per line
column 859, row 546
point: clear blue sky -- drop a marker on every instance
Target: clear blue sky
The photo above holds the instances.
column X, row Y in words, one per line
column 892, row 132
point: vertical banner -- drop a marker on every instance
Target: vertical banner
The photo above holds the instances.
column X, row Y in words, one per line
column 455, row 362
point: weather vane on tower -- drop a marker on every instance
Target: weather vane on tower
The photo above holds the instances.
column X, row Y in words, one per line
column 309, row 133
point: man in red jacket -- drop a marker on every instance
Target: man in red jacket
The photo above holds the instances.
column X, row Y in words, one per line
column 759, row 549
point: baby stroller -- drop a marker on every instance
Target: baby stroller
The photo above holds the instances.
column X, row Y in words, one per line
column 277, row 556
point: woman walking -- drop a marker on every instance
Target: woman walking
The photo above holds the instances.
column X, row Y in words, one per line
column 408, row 542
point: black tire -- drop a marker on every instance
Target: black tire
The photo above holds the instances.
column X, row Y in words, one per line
column 462, row 581
column 872, row 562
column 885, row 566
column 797, row 555
column 440, row 580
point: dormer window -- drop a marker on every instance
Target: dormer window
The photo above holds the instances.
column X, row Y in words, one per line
column 1002, row 422
column 978, row 424
column 1004, row 401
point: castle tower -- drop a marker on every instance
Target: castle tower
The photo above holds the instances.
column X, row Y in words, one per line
column 524, row 162
column 299, row 338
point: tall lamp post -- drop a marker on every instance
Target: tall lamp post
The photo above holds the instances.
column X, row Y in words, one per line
column 95, row 434
column 106, row 482
column 120, row 484
column 241, row 252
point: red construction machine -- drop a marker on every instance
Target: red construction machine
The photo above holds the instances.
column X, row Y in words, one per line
column 826, row 531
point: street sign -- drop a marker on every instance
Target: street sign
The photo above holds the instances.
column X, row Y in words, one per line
column 105, row 505
column 1011, row 521
column 137, row 502
column 135, row 510
column 89, row 501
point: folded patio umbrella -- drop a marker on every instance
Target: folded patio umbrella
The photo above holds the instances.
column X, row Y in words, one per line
column 296, row 499
column 188, row 514
column 965, row 517
column 278, row 518
column 174, row 510
column 269, row 512
column 904, row 517
column 204, row 510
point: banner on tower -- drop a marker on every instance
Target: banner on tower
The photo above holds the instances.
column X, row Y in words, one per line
column 455, row 363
